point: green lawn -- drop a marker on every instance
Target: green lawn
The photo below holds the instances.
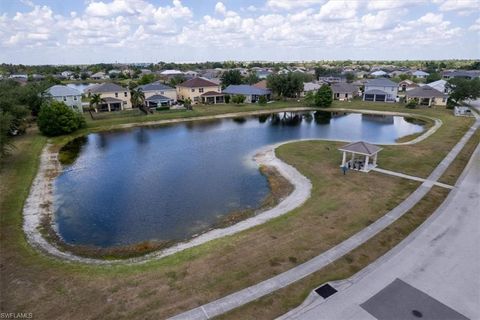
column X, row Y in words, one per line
column 33, row 282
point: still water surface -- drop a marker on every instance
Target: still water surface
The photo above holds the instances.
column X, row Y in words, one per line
column 171, row 182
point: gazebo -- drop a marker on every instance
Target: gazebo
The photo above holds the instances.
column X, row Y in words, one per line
column 365, row 150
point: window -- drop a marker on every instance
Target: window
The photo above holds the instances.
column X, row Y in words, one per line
column 193, row 90
column 116, row 94
column 64, row 98
column 162, row 93
column 200, row 90
column 125, row 94
column 75, row 98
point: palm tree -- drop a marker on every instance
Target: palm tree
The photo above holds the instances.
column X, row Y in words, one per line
column 95, row 101
column 137, row 97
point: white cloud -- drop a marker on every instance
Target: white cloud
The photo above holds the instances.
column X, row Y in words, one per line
column 475, row 26
column 220, row 8
column 381, row 20
column 338, row 10
column 392, row 4
column 431, row 18
column 460, row 5
column 292, row 4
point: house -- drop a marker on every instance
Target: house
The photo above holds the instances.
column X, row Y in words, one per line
column 114, row 97
column 252, row 94
column 66, row 74
column 310, row 87
column 379, row 73
column 420, row 74
column 212, row 97
column 396, row 73
column 465, row 74
column 192, row 89
column 427, row 96
column 191, row 74
column 70, row 96
column 440, row 85
column 380, row 89
column 158, row 94
column 98, row 76
column 406, row 85
column 344, row 91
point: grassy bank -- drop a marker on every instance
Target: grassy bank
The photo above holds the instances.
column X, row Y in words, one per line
column 339, row 207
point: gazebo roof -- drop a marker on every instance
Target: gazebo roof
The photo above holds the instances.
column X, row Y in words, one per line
column 361, row 147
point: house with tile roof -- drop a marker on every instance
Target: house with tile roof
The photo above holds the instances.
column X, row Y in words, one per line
column 158, row 94
column 193, row 89
column 114, row 97
column 344, row 91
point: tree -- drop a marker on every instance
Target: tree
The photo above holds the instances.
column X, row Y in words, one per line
column 227, row 99
column 137, row 97
column 95, row 101
column 252, row 78
column 83, row 76
column 463, row 89
column 286, row 85
column 310, row 99
column 6, row 144
column 350, row 77
column 188, row 104
column 324, row 97
column 262, row 100
column 231, row 77
column 433, row 77
column 146, row 78
column 412, row 104
column 238, row 99
column 56, row 118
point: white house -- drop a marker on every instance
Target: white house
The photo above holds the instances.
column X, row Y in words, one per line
column 98, row 76
column 379, row 73
column 380, row 89
column 70, row 96
column 440, row 85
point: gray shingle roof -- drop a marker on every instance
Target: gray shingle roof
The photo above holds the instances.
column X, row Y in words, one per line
column 155, row 86
column 158, row 97
column 361, row 147
column 105, row 87
column 381, row 82
column 342, row 87
column 425, row 92
column 62, row 91
column 245, row 89
column 375, row 91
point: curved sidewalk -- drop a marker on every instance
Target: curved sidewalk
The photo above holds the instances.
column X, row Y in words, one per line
column 440, row 258
column 261, row 289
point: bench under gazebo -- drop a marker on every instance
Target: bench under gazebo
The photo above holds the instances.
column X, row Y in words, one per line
column 360, row 154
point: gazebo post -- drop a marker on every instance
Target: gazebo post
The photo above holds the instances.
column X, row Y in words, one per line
column 344, row 158
column 375, row 159
column 365, row 166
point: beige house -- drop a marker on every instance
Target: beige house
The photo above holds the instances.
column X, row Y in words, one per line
column 114, row 97
column 158, row 94
column 344, row 91
column 194, row 88
column 427, row 96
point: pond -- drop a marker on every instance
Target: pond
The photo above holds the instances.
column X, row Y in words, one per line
column 172, row 182
column 79, row 86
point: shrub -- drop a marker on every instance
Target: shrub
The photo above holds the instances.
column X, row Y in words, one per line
column 227, row 99
column 412, row 104
column 56, row 118
column 238, row 99
column 324, row 97
column 262, row 100
column 162, row 108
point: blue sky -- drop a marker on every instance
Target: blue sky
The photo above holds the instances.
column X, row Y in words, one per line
column 92, row 31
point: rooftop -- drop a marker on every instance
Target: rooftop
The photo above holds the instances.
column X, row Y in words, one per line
column 105, row 87
column 361, row 147
column 425, row 92
column 245, row 89
column 381, row 82
column 343, row 87
column 155, row 86
column 198, row 82
column 62, row 91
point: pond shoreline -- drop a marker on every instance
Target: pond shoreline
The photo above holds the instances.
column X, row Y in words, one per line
column 38, row 208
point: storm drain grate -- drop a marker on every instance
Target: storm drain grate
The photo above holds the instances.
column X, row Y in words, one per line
column 325, row 291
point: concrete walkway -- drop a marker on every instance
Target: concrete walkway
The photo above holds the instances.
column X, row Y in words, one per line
column 441, row 258
column 263, row 288
column 406, row 176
